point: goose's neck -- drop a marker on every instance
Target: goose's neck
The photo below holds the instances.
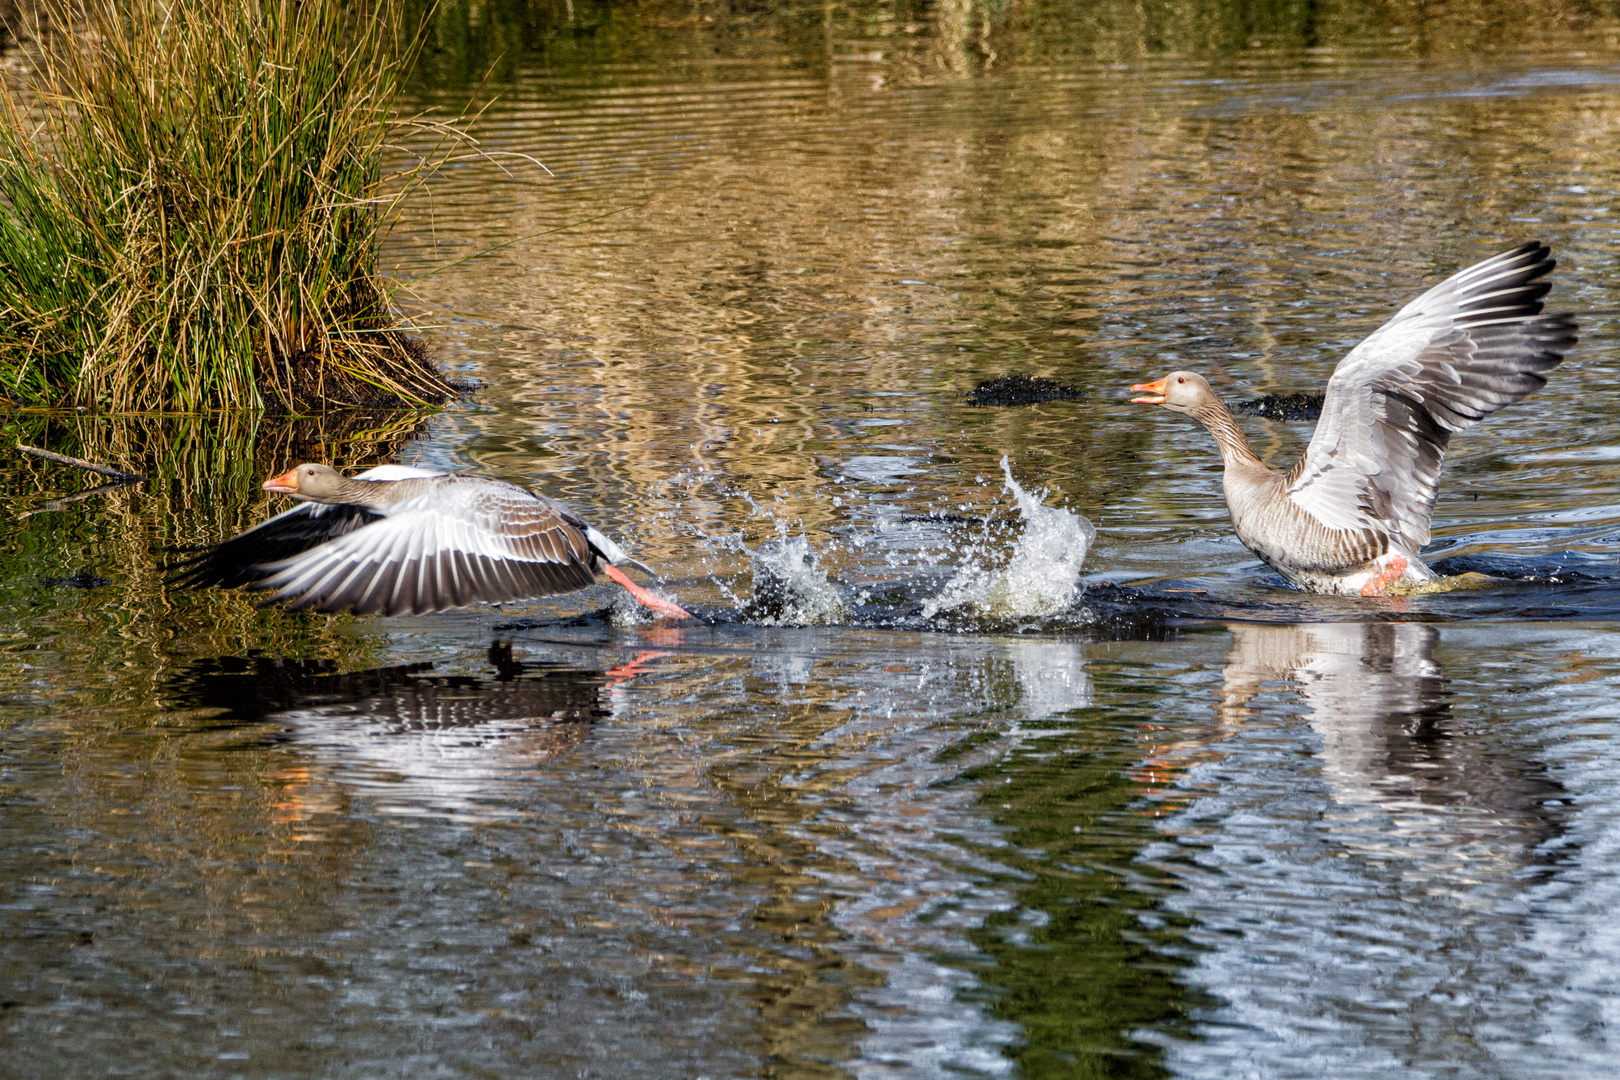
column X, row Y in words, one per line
column 1219, row 422
column 372, row 494
column 364, row 492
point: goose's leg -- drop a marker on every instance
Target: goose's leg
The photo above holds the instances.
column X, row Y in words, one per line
column 1390, row 574
column 643, row 597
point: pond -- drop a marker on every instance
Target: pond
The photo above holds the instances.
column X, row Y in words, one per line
column 939, row 782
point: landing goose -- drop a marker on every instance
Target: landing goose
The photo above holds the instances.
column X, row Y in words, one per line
column 395, row 540
column 1353, row 514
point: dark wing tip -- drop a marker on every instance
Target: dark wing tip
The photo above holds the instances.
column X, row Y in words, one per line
column 1536, row 249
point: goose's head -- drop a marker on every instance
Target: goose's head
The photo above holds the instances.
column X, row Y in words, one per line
column 317, row 483
column 1182, row 391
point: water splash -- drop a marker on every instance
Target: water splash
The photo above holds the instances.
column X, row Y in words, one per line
column 1041, row 578
column 789, row 588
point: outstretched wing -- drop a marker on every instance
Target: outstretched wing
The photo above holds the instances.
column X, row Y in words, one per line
column 453, row 545
column 241, row 559
column 1456, row 354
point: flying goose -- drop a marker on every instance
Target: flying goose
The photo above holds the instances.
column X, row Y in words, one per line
column 1353, row 514
column 395, row 540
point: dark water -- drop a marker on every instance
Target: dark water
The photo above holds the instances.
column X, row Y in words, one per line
column 923, row 792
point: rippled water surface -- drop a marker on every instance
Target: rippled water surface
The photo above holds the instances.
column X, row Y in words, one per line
column 992, row 752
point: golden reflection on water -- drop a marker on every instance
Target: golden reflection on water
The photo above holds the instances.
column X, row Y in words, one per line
column 801, row 277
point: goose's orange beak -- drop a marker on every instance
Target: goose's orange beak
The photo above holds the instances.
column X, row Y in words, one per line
column 1154, row 388
column 285, row 484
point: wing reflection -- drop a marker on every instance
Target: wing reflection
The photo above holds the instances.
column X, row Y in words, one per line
column 427, row 742
column 405, row 697
column 1379, row 700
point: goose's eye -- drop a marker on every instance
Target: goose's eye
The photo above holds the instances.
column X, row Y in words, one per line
column 1181, row 380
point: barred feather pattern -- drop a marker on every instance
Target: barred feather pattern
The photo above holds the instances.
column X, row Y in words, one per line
column 409, row 546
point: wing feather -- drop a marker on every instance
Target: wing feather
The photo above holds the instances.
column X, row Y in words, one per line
column 458, row 592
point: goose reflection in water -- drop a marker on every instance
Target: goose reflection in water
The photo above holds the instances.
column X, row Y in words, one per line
column 419, row 742
column 1407, row 779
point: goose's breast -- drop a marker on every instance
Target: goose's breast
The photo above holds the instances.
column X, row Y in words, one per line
column 1312, row 555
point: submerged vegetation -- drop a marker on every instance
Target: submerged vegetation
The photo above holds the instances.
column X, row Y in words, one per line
column 191, row 201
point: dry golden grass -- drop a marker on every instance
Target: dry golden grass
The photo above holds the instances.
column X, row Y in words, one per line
column 191, row 199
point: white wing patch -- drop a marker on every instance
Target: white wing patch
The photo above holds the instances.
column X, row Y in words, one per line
column 395, row 472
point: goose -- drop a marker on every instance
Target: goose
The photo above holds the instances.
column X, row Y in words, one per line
column 1351, row 517
column 395, row 540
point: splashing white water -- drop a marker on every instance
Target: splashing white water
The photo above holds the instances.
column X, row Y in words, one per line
column 1041, row 578
column 787, row 585
column 789, row 589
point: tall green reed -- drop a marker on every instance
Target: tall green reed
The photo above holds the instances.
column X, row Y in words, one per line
column 191, row 201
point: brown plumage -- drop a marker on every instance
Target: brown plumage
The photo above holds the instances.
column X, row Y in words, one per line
column 1353, row 514
column 396, row 540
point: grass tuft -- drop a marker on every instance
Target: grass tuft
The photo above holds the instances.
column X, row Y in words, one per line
column 191, row 201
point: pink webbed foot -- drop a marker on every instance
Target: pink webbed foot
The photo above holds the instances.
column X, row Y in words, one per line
column 643, row 597
column 1388, row 576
